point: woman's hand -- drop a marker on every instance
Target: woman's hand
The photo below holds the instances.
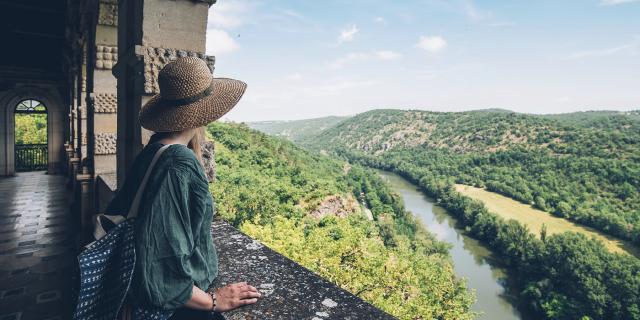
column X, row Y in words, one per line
column 234, row 296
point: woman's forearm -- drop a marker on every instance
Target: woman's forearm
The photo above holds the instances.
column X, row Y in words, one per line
column 228, row 297
column 200, row 300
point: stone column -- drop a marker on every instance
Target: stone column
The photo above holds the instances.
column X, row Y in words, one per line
column 151, row 33
column 85, row 181
column 105, row 116
column 78, row 108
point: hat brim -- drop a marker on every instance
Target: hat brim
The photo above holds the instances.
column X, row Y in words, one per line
column 160, row 117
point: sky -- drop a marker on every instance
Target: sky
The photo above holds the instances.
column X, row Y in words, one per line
column 306, row 58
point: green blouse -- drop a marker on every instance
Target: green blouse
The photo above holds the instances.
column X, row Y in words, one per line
column 174, row 247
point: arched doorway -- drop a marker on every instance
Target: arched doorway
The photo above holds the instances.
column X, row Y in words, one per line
column 31, row 136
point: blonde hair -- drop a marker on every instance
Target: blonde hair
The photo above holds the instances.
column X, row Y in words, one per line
column 195, row 143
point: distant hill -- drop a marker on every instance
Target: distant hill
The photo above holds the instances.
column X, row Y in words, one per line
column 490, row 130
column 296, row 130
column 599, row 118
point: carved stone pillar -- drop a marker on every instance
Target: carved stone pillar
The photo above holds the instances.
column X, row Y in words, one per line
column 87, row 202
column 168, row 30
column 67, row 157
column 69, row 153
column 105, row 107
column 75, row 165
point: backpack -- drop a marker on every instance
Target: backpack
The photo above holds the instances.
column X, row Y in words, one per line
column 107, row 264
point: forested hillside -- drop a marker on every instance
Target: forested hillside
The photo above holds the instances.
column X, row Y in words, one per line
column 581, row 166
column 603, row 119
column 310, row 208
column 584, row 167
column 488, row 131
column 296, row 130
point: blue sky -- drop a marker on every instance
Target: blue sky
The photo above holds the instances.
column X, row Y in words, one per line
column 305, row 58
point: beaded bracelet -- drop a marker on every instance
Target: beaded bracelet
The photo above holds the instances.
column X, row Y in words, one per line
column 212, row 294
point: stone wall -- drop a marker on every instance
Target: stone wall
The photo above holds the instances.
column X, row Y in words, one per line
column 175, row 24
column 289, row 291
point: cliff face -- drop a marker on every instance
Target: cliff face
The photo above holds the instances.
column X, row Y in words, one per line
column 339, row 206
column 209, row 159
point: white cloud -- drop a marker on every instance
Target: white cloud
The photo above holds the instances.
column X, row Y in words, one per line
column 387, row 55
column 615, row 2
column 380, row 20
column 349, row 58
column 227, row 14
column 502, row 24
column 630, row 48
column 485, row 17
column 347, row 35
column 431, row 44
column 338, row 87
column 474, row 13
column 293, row 14
column 223, row 17
column 285, row 20
column 363, row 56
column 293, row 77
column 220, row 42
column 279, row 93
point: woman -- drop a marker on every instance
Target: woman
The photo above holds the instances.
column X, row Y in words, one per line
column 176, row 260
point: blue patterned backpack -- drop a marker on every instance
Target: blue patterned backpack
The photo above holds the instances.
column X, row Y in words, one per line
column 106, row 265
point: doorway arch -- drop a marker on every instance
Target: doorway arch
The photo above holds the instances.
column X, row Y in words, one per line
column 31, row 136
column 50, row 97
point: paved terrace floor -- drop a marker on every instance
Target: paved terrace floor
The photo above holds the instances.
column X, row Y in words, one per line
column 37, row 256
column 38, row 264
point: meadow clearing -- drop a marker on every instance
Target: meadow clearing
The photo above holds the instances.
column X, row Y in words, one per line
column 534, row 219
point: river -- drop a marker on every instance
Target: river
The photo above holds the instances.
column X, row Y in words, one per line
column 472, row 260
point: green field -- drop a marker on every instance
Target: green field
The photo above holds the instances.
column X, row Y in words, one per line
column 534, row 219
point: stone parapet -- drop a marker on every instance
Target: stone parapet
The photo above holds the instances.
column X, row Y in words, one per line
column 289, row 291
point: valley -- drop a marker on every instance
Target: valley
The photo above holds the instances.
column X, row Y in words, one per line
column 578, row 173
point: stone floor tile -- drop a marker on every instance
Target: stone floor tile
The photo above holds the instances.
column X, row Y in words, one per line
column 37, row 248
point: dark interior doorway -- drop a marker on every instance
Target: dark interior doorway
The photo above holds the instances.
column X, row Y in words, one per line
column 31, row 136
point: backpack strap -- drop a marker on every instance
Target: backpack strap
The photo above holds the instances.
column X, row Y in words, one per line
column 133, row 210
column 100, row 220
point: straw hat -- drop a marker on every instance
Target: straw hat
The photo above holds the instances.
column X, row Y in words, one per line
column 189, row 97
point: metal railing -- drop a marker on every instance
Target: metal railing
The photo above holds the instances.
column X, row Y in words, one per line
column 31, row 157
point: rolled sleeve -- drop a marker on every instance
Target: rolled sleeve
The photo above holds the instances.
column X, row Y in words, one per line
column 174, row 251
column 168, row 268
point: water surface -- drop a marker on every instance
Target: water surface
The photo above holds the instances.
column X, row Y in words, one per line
column 472, row 260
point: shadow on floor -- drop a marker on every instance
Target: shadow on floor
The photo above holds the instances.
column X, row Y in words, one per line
column 37, row 248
